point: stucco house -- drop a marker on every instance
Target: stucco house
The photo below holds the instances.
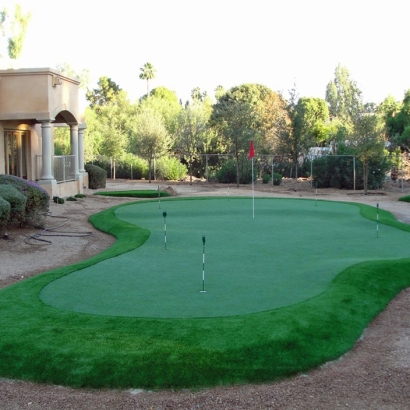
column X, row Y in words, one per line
column 32, row 102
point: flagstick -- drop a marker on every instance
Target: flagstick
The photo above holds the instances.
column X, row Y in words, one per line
column 253, row 194
column 203, row 264
column 377, row 220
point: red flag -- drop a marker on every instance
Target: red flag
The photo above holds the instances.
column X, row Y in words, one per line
column 251, row 151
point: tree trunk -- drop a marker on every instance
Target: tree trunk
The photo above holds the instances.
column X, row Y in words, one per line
column 237, row 171
column 113, row 164
column 365, row 177
column 190, row 171
column 149, row 170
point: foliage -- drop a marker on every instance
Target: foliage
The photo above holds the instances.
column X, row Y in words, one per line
column 277, row 179
column 397, row 118
column 83, row 76
column 337, row 172
column 128, row 166
column 266, row 178
column 147, row 73
column 17, row 203
column 107, row 92
column 227, row 173
column 367, row 138
column 62, row 145
column 150, row 138
column 191, row 134
column 4, row 213
column 71, row 199
column 405, row 198
column 343, row 96
column 165, row 103
column 97, row 177
column 171, row 169
column 58, row 200
column 134, row 193
column 15, row 30
column 37, row 204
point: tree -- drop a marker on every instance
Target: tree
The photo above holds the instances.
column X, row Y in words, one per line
column 368, row 141
column 114, row 127
column 191, row 133
column 15, row 30
column 344, row 97
column 106, row 92
column 150, row 138
column 164, row 102
column 83, row 76
column 147, row 73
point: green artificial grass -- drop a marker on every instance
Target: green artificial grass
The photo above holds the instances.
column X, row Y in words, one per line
column 134, row 193
column 43, row 343
column 275, row 260
column 405, row 198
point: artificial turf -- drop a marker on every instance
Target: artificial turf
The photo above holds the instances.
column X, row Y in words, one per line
column 134, row 193
column 289, row 253
column 43, row 343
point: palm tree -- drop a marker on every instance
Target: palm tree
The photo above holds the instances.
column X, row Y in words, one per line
column 147, row 73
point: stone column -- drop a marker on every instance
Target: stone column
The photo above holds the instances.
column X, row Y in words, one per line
column 47, row 173
column 81, row 149
column 74, row 149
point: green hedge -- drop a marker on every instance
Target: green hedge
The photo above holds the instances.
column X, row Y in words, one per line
column 17, row 203
column 97, row 177
column 38, row 200
column 4, row 213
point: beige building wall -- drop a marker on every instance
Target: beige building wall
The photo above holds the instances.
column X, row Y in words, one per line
column 31, row 102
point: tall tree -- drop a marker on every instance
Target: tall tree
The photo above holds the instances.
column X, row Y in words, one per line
column 106, row 92
column 15, row 30
column 164, row 102
column 367, row 138
column 150, row 138
column 344, row 97
column 191, row 135
column 147, row 73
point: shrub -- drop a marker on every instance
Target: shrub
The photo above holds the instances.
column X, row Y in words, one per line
column 37, row 204
column 277, row 179
column 266, row 178
column 97, row 177
column 129, row 166
column 227, row 173
column 171, row 169
column 17, row 203
column 71, row 198
column 58, row 200
column 4, row 213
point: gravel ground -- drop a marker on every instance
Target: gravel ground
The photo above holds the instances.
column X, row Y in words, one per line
column 375, row 374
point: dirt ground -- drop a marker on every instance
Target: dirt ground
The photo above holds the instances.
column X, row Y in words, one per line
column 375, row 374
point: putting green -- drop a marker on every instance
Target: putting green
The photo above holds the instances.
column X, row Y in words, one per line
column 289, row 253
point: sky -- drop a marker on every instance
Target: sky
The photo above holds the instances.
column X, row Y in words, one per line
column 197, row 43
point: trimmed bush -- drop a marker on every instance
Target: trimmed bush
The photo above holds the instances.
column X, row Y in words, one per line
column 38, row 200
column 277, row 179
column 97, row 177
column 17, row 203
column 4, row 213
column 265, row 178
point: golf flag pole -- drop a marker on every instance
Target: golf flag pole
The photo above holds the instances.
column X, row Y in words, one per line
column 251, row 155
column 164, row 214
column 203, row 264
column 377, row 219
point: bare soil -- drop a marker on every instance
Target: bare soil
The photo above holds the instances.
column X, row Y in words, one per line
column 375, row 374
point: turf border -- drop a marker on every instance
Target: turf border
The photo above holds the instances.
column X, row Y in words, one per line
column 54, row 346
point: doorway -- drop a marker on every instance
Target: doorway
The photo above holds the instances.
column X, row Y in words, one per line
column 16, row 148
